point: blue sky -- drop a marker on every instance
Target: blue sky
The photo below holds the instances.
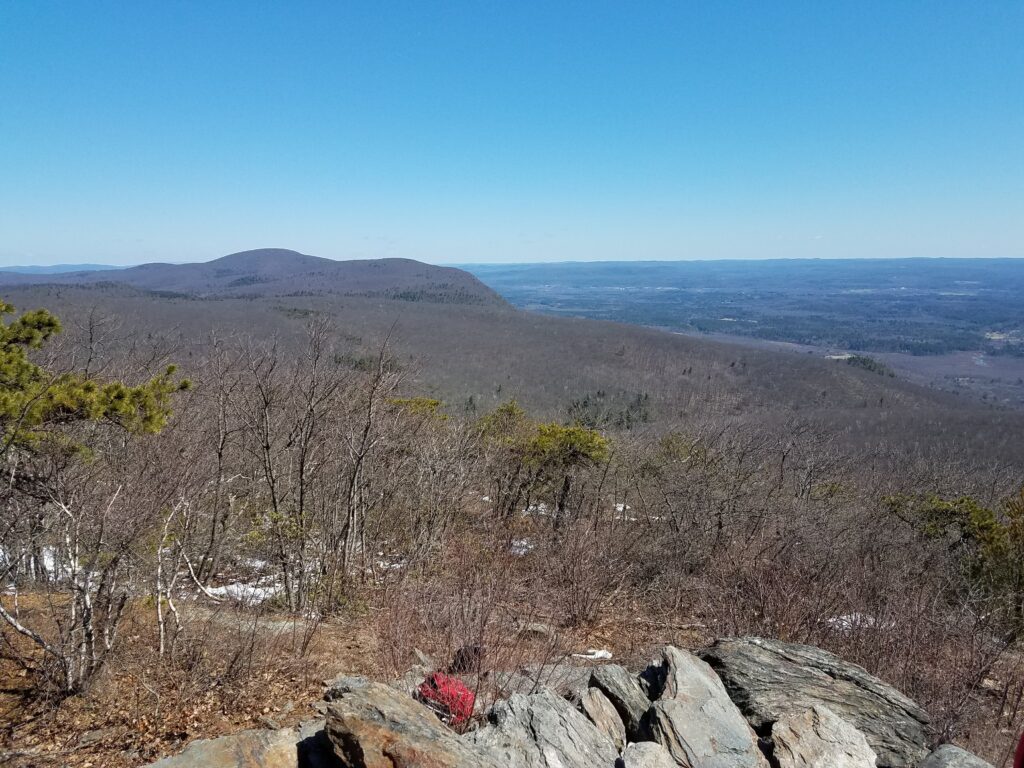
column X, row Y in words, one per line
column 510, row 131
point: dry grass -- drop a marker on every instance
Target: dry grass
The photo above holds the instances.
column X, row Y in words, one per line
column 248, row 671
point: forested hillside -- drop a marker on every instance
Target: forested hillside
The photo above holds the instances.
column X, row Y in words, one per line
column 476, row 356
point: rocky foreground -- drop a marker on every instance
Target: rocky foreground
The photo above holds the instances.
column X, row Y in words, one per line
column 743, row 703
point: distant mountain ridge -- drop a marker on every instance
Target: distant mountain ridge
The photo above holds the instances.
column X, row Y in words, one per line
column 282, row 272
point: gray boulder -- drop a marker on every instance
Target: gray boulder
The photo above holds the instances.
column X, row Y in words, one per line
column 424, row 660
column 263, row 748
column 769, row 678
column 949, row 756
column 646, row 754
column 561, row 678
column 542, row 730
column 624, row 692
column 696, row 740
column 601, row 712
column 819, row 738
column 371, row 725
column 695, row 720
column 407, row 683
column 304, row 747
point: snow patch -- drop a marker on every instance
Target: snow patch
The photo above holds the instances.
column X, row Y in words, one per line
column 851, row 622
column 623, row 512
column 250, row 594
column 594, row 654
column 521, row 547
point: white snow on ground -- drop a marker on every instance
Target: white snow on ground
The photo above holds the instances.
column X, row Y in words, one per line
column 390, row 562
column 624, row 512
column 594, row 654
column 537, row 509
column 520, row 547
column 251, row 594
column 851, row 622
column 57, row 568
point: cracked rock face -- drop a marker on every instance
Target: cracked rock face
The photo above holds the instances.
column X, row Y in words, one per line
column 694, row 719
column 542, row 730
column 819, row 738
column 769, row 679
column 595, row 705
column 624, row 692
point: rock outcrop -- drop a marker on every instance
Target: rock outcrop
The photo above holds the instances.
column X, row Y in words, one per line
column 563, row 679
column 646, row 754
column 769, row 679
column 819, row 738
column 302, row 747
column 624, row 692
column 248, row 749
column 694, row 719
column 372, row 725
column 949, row 756
column 810, row 709
column 601, row 712
column 542, row 730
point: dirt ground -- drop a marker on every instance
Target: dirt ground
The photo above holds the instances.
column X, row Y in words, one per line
column 138, row 712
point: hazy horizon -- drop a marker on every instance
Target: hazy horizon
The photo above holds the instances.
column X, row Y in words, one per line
column 89, row 266
column 518, row 134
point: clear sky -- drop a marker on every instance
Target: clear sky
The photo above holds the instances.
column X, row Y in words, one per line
column 510, row 131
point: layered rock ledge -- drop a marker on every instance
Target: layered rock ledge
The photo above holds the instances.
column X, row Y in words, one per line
column 742, row 703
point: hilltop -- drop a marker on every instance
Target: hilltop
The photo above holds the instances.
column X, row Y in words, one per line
column 282, row 272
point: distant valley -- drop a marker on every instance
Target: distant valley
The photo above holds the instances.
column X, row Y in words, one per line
column 952, row 324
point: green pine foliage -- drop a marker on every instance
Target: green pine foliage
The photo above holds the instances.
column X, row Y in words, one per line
column 870, row 364
column 543, row 445
column 35, row 401
column 989, row 543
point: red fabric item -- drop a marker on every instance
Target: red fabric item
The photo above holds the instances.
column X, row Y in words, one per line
column 1018, row 760
column 449, row 696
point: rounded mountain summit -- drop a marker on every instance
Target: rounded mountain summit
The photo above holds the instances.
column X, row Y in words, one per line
column 283, row 272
